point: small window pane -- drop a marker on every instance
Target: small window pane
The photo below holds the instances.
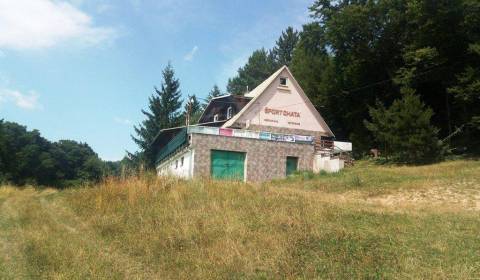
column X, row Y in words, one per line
column 283, row 81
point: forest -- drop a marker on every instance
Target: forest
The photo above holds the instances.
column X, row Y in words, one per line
column 399, row 76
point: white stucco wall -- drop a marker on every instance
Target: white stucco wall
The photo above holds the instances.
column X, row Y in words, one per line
column 174, row 166
column 327, row 164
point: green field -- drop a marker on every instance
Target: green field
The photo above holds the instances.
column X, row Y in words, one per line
column 375, row 222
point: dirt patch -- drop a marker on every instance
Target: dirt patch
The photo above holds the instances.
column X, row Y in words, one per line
column 462, row 195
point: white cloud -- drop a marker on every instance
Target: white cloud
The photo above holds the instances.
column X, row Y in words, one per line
column 28, row 101
column 35, row 24
column 123, row 121
column 191, row 54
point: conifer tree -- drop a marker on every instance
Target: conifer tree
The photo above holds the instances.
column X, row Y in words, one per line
column 260, row 65
column 163, row 112
column 193, row 108
column 285, row 45
column 215, row 92
column 405, row 130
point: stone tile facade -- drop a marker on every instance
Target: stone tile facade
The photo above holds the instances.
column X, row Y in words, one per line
column 265, row 160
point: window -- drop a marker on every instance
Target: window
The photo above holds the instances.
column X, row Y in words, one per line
column 215, row 118
column 283, row 81
column 176, row 164
column 229, row 112
column 181, row 161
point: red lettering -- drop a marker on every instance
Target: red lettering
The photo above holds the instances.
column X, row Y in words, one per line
column 285, row 113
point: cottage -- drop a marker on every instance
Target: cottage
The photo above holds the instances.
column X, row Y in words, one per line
column 268, row 133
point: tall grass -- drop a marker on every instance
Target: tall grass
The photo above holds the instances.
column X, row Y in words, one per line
column 303, row 227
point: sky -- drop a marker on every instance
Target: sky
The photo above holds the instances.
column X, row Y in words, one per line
column 84, row 69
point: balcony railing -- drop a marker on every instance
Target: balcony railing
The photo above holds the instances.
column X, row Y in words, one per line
column 177, row 142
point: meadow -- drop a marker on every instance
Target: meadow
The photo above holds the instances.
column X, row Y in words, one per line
column 366, row 222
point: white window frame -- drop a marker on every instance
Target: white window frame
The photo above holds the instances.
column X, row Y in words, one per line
column 229, row 112
column 215, row 118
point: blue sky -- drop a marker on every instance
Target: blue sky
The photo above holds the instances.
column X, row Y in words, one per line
column 83, row 69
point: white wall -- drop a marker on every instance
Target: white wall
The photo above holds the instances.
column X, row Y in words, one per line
column 342, row 146
column 174, row 167
column 327, row 164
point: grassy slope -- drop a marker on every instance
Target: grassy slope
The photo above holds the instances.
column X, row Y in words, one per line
column 366, row 222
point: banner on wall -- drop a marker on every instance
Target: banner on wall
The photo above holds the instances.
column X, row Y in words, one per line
column 265, row 136
column 303, row 139
column 246, row 134
column 288, row 138
column 225, row 132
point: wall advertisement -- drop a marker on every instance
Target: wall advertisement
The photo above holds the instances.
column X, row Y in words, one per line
column 262, row 135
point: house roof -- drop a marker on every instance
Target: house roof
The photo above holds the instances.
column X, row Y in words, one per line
column 263, row 86
column 260, row 89
column 238, row 101
column 165, row 135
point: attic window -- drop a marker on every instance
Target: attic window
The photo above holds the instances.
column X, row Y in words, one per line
column 215, row 118
column 283, row 81
column 229, row 112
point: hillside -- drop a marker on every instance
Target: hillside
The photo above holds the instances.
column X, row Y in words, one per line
column 365, row 222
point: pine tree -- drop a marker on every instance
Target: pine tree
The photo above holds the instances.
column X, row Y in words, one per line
column 163, row 112
column 260, row 65
column 405, row 129
column 215, row 92
column 193, row 108
column 285, row 45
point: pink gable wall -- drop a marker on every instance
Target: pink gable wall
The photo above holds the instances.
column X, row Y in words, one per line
column 281, row 107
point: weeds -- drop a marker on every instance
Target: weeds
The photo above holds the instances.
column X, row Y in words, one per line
column 307, row 226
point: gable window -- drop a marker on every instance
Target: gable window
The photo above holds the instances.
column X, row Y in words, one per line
column 229, row 112
column 283, row 81
column 176, row 164
column 215, row 118
column 181, row 161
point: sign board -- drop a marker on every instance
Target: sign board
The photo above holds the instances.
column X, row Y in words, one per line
column 241, row 133
column 226, row 131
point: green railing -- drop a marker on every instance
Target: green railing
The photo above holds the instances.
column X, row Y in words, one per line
column 177, row 142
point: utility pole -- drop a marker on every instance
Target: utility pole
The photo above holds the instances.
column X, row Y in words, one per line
column 189, row 108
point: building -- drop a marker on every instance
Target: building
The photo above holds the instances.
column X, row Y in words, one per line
column 268, row 133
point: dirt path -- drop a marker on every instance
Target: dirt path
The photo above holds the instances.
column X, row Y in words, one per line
column 462, row 196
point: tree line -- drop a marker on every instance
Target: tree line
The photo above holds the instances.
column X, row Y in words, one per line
column 27, row 158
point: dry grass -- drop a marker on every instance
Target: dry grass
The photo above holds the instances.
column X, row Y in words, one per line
column 366, row 222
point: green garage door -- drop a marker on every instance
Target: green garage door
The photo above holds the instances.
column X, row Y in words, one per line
column 227, row 165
